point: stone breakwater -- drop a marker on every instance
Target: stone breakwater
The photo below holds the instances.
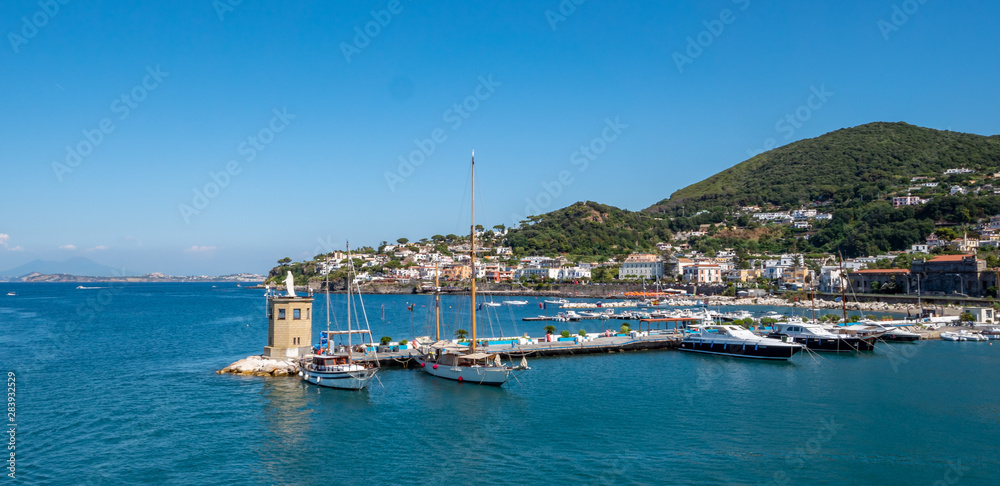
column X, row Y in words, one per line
column 261, row 366
column 820, row 304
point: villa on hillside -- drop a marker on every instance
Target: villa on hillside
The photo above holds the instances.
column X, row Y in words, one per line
column 642, row 265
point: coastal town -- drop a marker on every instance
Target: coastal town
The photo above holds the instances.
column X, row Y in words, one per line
column 940, row 266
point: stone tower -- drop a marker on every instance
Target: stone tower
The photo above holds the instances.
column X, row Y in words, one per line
column 289, row 326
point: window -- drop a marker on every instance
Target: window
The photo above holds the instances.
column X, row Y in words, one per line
column 281, row 313
column 296, row 313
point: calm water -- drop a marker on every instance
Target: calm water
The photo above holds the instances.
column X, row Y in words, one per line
column 117, row 385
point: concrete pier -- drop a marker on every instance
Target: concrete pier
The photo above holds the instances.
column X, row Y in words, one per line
column 612, row 344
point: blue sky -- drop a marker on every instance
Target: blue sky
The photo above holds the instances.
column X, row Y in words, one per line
column 312, row 118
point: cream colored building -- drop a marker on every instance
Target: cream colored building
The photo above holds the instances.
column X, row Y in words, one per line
column 289, row 327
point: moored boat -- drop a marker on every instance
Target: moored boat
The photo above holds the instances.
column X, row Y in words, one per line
column 738, row 342
column 465, row 363
column 335, row 365
column 816, row 338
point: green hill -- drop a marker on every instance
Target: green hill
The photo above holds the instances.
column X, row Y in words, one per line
column 588, row 229
column 847, row 166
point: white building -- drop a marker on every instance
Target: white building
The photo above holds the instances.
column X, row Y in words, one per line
column 642, row 265
column 703, row 274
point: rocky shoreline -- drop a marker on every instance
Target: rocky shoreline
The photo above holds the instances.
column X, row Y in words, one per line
column 262, row 366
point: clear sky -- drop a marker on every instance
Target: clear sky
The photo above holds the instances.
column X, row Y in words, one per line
column 114, row 113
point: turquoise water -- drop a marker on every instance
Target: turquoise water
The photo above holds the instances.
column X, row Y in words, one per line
column 117, row 385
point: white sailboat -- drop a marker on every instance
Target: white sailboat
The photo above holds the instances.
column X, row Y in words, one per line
column 335, row 365
column 445, row 359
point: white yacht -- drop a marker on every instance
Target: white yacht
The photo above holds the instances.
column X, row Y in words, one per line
column 817, row 338
column 738, row 342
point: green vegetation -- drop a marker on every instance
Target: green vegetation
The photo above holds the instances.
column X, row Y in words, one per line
column 625, row 329
column 550, row 329
column 461, row 334
column 852, row 173
column 967, row 317
column 385, row 340
column 589, row 231
column 564, row 333
column 851, row 166
column 582, row 333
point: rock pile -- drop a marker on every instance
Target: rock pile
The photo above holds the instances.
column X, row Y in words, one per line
column 261, row 366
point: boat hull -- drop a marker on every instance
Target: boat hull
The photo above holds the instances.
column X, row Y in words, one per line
column 900, row 339
column 832, row 345
column 742, row 350
column 344, row 380
column 478, row 375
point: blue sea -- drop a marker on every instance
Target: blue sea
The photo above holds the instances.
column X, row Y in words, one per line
column 117, row 385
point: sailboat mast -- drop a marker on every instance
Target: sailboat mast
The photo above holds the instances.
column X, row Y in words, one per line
column 350, row 277
column 437, row 305
column 472, row 234
column 843, row 287
column 328, row 303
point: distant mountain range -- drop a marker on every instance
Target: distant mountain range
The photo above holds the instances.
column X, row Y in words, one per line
column 74, row 266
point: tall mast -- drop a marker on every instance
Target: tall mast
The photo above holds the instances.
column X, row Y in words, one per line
column 437, row 305
column 328, row 303
column 813, row 282
column 843, row 287
column 350, row 277
column 472, row 233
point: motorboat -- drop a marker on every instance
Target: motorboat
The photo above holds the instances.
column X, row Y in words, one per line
column 893, row 333
column 992, row 333
column 11, row 293
column 736, row 341
column 515, row 302
column 963, row 335
column 816, row 338
column 557, row 302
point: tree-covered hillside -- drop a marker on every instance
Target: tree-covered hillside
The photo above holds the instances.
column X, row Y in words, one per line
column 849, row 167
column 588, row 229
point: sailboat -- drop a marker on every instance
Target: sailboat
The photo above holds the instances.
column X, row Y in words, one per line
column 335, row 365
column 445, row 359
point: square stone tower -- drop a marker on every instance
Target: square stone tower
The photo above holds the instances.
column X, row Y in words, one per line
column 289, row 327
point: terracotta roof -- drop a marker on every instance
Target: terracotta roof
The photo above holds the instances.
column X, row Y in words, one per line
column 883, row 270
column 949, row 258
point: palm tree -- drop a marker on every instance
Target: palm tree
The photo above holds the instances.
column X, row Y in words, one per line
column 461, row 334
column 550, row 329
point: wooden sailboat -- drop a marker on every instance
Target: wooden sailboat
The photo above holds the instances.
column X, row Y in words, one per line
column 335, row 365
column 445, row 359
